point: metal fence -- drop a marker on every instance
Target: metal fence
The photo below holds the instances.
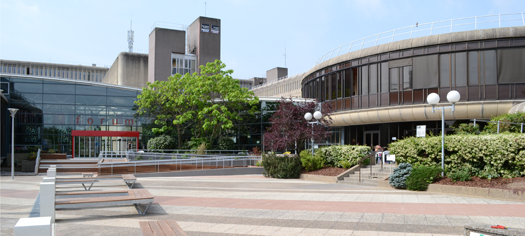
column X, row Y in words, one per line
column 499, row 123
column 436, row 27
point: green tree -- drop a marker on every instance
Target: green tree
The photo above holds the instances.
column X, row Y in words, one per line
column 206, row 103
column 492, row 127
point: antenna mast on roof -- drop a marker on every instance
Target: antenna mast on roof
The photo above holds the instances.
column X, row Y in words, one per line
column 285, row 55
column 204, row 8
column 130, row 37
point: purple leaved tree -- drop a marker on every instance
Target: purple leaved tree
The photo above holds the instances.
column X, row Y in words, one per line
column 290, row 130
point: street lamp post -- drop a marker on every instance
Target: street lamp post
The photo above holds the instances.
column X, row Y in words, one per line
column 13, row 112
column 433, row 99
column 308, row 116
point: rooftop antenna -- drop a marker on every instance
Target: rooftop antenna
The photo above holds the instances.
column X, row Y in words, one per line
column 130, row 37
column 204, row 8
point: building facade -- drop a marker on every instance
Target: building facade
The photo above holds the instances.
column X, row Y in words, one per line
column 379, row 93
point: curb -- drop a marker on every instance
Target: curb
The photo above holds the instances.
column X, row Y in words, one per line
column 489, row 193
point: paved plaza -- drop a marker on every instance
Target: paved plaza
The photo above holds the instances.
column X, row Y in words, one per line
column 254, row 205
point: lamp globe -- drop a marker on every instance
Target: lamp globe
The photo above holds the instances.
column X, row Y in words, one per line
column 308, row 116
column 433, row 99
column 318, row 115
column 453, row 96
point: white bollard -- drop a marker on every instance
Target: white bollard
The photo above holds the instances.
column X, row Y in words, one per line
column 51, row 172
column 41, row 226
column 47, row 200
column 49, row 180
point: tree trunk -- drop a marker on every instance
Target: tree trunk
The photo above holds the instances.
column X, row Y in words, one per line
column 180, row 135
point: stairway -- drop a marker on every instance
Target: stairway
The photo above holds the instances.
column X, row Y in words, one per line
column 366, row 178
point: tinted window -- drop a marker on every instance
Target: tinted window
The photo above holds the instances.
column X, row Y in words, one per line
column 59, row 109
column 394, row 78
column 364, row 80
column 121, row 92
column 27, row 87
column 90, row 90
column 473, row 68
column 407, row 77
column 120, row 111
column 59, row 99
column 490, row 67
column 461, row 69
column 95, row 110
column 91, row 100
column 61, row 88
column 384, row 77
column 373, row 79
column 444, row 70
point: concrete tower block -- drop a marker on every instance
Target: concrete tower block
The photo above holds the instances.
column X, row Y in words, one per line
column 41, row 226
column 47, row 200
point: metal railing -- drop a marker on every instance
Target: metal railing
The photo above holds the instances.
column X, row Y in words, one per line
column 499, row 123
column 478, row 22
column 178, row 160
column 154, row 153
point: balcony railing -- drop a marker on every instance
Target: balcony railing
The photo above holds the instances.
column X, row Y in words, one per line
column 425, row 29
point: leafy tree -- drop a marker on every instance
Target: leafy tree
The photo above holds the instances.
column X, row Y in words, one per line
column 465, row 128
column 289, row 128
column 204, row 103
column 161, row 142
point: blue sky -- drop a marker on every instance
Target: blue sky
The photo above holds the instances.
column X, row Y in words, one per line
column 254, row 33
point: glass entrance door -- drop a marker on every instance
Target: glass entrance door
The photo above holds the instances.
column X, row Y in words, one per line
column 372, row 138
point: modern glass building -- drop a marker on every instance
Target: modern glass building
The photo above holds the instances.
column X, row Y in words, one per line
column 379, row 93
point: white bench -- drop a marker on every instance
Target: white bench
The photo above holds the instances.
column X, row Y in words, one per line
column 41, row 226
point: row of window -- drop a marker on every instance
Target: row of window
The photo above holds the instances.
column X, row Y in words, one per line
column 182, row 64
column 65, row 73
column 448, row 70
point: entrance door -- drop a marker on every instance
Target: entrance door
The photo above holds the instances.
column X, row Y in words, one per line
column 371, row 138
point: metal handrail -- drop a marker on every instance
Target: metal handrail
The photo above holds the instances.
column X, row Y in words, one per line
column 391, row 34
column 361, row 161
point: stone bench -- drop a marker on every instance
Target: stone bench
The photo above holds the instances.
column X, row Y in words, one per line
column 41, row 226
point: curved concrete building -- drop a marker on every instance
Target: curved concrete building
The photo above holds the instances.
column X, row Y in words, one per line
column 379, row 93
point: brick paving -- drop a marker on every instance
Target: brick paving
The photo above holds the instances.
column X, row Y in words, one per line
column 254, row 205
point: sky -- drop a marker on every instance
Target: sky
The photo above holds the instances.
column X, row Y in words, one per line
column 254, row 33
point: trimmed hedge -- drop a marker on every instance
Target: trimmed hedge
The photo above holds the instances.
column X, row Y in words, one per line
column 504, row 153
column 310, row 162
column 337, row 155
column 421, row 177
column 281, row 167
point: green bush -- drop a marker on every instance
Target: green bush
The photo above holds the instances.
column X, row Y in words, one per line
column 281, row 167
column 162, row 142
column 463, row 174
column 194, row 143
column 505, row 153
column 467, row 129
column 225, row 143
column 492, row 127
column 399, row 177
column 335, row 155
column 310, row 162
column 421, row 177
column 346, row 164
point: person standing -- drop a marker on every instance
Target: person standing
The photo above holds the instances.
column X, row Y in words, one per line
column 379, row 151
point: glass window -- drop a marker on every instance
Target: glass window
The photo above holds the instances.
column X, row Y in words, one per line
column 444, row 70
column 120, row 111
column 373, row 79
column 327, row 87
column 339, row 85
column 334, row 81
column 59, row 109
column 364, row 80
column 490, row 67
column 90, row 100
column 473, row 68
column 407, row 77
column 59, row 99
column 59, row 119
column 394, row 79
column 122, row 92
column 30, row 98
column 461, row 69
column 348, row 83
column 28, row 87
column 90, row 90
column 384, row 77
column 121, row 101
column 354, row 80
column 94, row 110
column 59, row 88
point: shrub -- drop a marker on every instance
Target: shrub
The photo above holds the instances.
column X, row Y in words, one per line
column 400, row 175
column 161, row 142
column 504, row 153
column 346, row 164
column 281, row 167
column 488, row 173
column 335, row 155
column 310, row 162
column 225, row 143
column 194, row 143
column 463, row 174
column 421, row 177
column 467, row 129
column 492, row 127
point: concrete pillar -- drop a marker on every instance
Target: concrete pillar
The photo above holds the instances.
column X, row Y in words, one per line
column 49, row 180
column 41, row 226
column 53, row 166
column 47, row 200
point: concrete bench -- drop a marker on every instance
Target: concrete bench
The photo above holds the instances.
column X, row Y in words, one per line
column 80, row 200
column 161, row 228
column 41, row 226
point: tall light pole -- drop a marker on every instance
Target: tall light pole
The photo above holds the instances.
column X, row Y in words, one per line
column 308, row 117
column 13, row 112
column 433, row 99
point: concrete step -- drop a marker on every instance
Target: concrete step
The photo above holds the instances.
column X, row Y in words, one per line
column 363, row 182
